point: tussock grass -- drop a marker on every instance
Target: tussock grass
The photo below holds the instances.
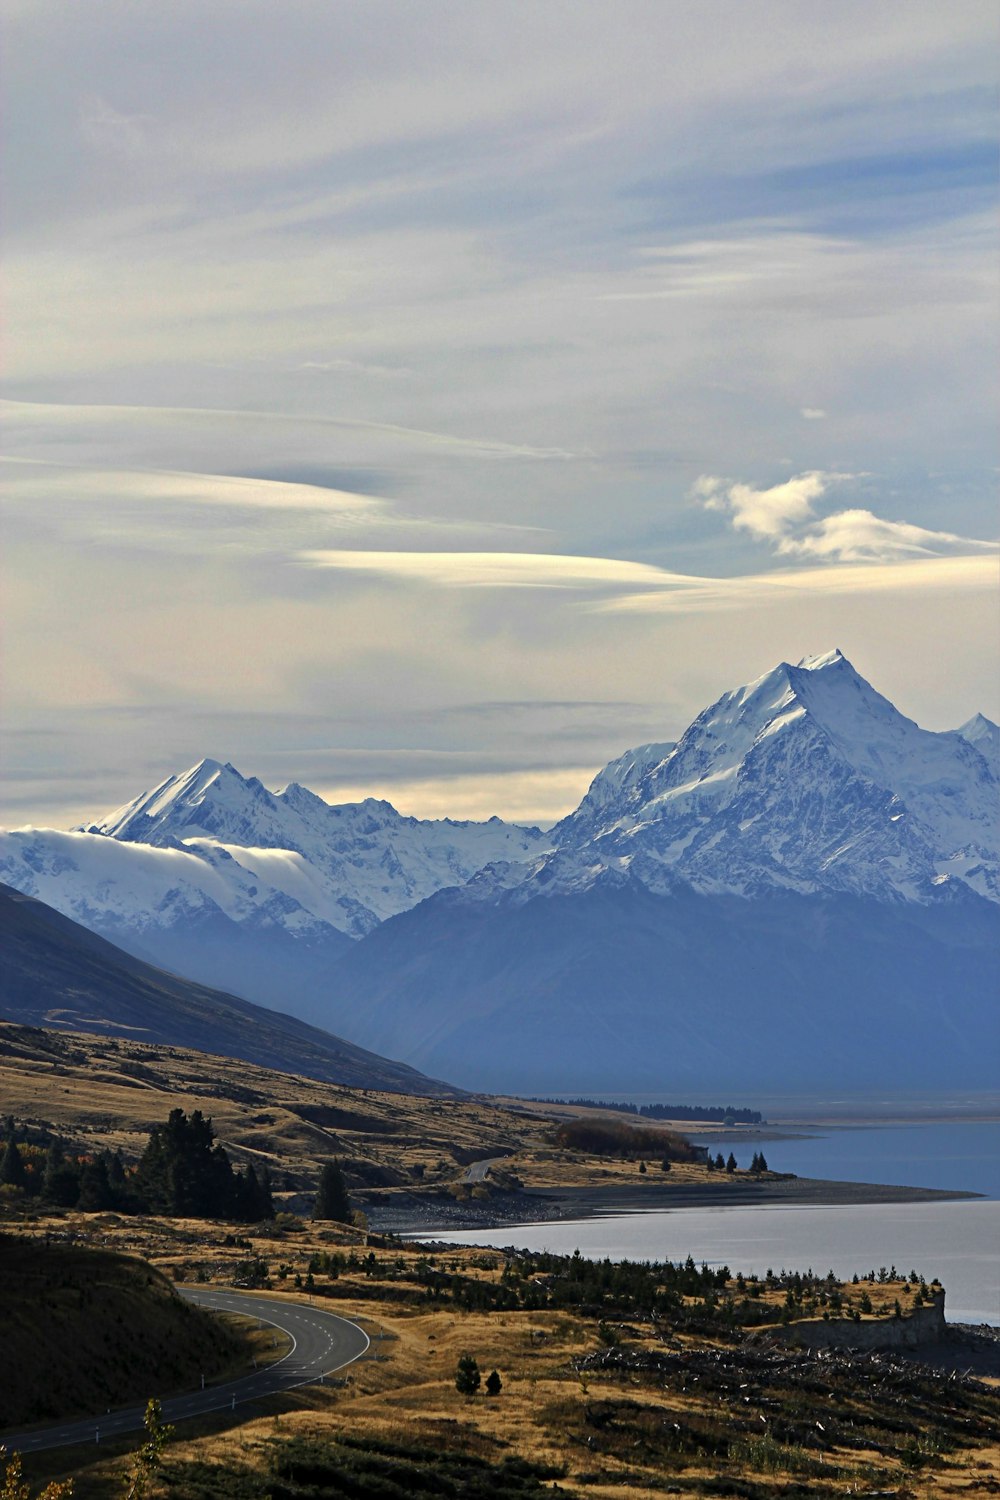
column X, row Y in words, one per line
column 85, row 1330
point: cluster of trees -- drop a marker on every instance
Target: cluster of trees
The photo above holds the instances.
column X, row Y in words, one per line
column 468, row 1378
column 720, row 1163
column 181, row 1172
column 184, row 1172
column 45, row 1172
column 537, row 1281
column 602, row 1137
column 715, row 1114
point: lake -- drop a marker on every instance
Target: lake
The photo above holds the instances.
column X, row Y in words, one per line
column 958, row 1155
column 959, row 1242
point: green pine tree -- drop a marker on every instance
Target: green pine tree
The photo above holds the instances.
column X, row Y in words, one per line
column 12, row 1173
column 467, row 1376
column 332, row 1201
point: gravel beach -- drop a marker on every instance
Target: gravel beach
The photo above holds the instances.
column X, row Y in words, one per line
column 434, row 1215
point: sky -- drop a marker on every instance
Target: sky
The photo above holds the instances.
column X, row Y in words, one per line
column 433, row 400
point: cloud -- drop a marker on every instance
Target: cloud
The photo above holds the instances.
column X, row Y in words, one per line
column 860, row 536
column 52, row 418
column 643, row 588
column 812, row 413
column 784, row 515
column 767, row 514
column 492, row 569
column 919, row 578
column 44, row 482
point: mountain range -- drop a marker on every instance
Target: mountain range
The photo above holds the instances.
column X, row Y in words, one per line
column 804, row 887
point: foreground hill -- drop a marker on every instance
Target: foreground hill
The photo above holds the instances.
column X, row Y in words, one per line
column 55, row 972
column 69, row 1327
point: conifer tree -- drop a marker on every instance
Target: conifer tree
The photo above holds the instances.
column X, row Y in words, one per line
column 95, row 1189
column 467, row 1376
column 332, row 1201
column 12, row 1173
column 61, row 1178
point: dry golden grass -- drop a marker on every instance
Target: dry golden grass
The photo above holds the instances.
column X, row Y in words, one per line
column 109, row 1092
column 406, row 1392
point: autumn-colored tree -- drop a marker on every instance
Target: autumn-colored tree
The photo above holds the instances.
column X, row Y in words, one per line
column 15, row 1488
column 150, row 1455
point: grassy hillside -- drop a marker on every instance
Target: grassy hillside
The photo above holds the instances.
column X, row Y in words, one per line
column 98, row 1092
column 620, row 1382
column 54, row 972
column 70, row 1321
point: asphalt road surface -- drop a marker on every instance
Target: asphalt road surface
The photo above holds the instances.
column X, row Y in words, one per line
column 479, row 1170
column 321, row 1344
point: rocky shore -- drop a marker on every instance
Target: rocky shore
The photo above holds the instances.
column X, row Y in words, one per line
column 436, row 1214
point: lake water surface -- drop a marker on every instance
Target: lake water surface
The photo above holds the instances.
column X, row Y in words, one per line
column 958, row 1155
column 959, row 1242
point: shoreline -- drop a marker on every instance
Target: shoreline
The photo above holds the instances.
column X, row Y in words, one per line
column 433, row 1215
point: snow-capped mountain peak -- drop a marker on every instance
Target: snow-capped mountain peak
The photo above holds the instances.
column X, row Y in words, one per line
column 806, row 779
column 349, row 865
column 191, row 803
column 612, row 787
column 985, row 735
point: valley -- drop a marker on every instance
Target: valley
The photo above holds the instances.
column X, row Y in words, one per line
column 802, row 887
column 805, row 869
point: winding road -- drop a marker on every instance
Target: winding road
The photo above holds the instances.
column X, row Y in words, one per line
column 321, row 1344
column 479, row 1170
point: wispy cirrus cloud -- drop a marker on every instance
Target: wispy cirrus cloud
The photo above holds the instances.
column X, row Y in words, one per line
column 785, row 516
column 43, row 482
column 916, row 579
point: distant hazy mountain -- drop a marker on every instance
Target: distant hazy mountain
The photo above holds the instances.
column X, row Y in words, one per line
column 617, row 989
column 804, row 887
column 55, row 973
column 216, row 878
column 985, row 735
